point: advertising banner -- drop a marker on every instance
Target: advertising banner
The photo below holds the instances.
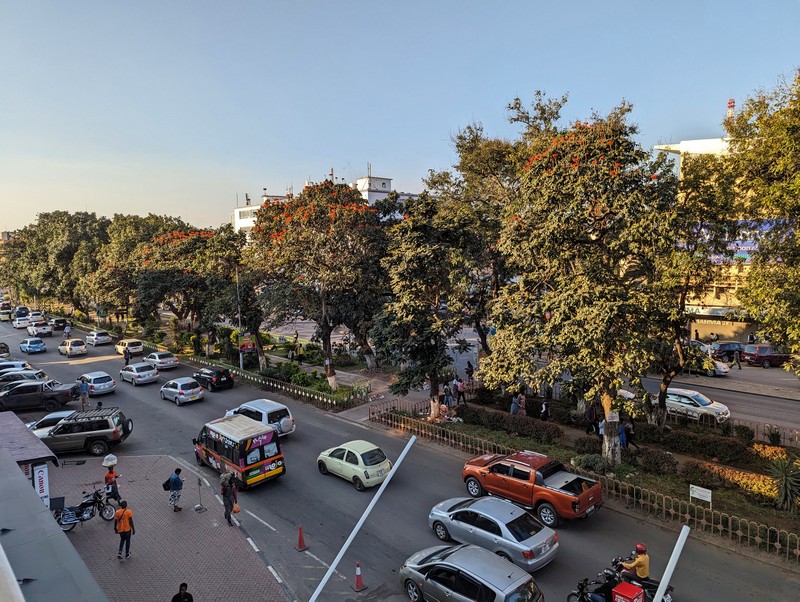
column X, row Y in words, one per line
column 41, row 483
column 247, row 342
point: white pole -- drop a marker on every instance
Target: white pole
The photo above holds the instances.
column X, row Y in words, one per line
column 673, row 560
column 361, row 521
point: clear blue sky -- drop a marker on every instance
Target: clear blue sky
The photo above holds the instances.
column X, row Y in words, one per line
column 175, row 107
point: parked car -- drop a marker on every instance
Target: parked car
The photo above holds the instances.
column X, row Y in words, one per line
column 138, row 374
column 99, row 382
column 9, row 364
column 4, row 350
column 466, row 572
column 163, row 360
column 34, row 394
column 17, row 375
column 724, row 350
column 40, row 329
column 764, row 355
column 362, row 463
column 694, row 405
column 498, row 526
column 214, row 377
column 36, row 316
column 534, row 481
column 94, row 431
column 267, row 411
column 98, row 337
column 48, row 421
column 57, row 323
column 134, row 346
column 703, row 364
column 181, row 390
column 20, row 322
column 32, row 345
column 70, row 347
column 20, row 311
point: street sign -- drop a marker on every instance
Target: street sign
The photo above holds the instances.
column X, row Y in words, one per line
column 701, row 493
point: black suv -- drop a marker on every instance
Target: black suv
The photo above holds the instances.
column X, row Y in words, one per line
column 214, row 377
column 724, row 350
column 93, row 431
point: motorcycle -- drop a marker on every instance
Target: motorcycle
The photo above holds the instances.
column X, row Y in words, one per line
column 596, row 590
column 92, row 504
column 650, row 586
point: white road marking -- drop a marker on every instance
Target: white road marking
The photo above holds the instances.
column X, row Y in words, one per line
column 219, row 499
column 262, row 521
column 275, row 574
column 325, row 564
column 253, row 544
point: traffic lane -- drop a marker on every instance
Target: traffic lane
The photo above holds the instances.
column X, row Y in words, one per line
column 743, row 405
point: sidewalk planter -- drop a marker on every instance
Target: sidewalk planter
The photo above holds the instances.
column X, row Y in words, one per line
column 779, row 543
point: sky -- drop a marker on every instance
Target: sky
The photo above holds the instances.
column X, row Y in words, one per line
column 183, row 107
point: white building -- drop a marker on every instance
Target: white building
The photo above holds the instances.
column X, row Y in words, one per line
column 244, row 218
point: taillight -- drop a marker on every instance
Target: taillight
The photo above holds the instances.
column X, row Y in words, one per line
column 555, row 538
column 366, row 474
column 576, row 506
column 528, row 554
column 180, row 392
column 91, row 387
column 214, row 379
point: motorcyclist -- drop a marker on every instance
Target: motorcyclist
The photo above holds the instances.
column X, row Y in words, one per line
column 639, row 567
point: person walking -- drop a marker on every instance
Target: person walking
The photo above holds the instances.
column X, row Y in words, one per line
column 183, row 595
column 737, row 358
column 127, row 355
column 83, row 388
column 300, row 353
column 544, row 413
column 523, row 405
column 175, row 489
column 230, row 494
column 514, row 405
column 591, row 419
column 112, row 490
column 630, row 432
column 123, row 525
column 623, row 442
column 601, row 428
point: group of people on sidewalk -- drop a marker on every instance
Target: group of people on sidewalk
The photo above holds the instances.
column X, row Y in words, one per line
column 596, row 424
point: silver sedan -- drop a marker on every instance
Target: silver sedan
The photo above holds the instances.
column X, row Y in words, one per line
column 498, row 526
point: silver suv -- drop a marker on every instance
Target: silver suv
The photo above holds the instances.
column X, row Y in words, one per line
column 93, row 431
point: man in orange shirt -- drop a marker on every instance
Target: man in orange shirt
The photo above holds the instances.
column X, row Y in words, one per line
column 123, row 524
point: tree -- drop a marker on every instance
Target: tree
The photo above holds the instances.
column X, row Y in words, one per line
column 589, row 195
column 423, row 314
column 765, row 159
column 316, row 251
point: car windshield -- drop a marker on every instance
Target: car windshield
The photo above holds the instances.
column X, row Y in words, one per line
column 524, row 527
column 701, row 399
column 551, row 468
column 439, row 555
column 528, row 592
column 101, row 333
column 164, row 356
column 189, row 386
column 461, row 505
column 102, row 379
column 373, row 457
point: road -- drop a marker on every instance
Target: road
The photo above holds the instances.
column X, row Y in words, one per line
column 327, row 508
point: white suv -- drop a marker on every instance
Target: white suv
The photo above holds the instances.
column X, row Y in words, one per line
column 267, row 411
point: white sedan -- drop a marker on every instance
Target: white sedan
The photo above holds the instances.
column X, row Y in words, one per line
column 40, row 329
column 163, row 360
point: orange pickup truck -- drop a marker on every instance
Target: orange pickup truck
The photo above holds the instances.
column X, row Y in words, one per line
column 534, row 481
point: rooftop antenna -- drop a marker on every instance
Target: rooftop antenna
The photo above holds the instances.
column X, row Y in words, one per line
column 246, row 199
column 731, row 107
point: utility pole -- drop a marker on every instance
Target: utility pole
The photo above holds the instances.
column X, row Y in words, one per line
column 239, row 313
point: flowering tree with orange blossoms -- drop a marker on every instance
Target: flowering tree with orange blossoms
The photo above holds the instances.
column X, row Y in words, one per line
column 589, row 207
column 316, row 253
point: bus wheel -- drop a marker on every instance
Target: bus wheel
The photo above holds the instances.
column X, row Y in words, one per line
column 198, row 458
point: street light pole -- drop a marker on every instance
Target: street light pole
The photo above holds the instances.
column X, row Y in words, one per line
column 239, row 313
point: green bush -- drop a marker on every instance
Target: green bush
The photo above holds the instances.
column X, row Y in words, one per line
column 544, row 432
column 302, row 379
column 725, row 449
column 695, row 472
column 649, row 433
column 786, row 473
column 658, row 462
column 744, row 433
column 588, row 445
column 593, row 463
column 774, row 436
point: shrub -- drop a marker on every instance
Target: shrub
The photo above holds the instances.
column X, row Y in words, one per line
column 302, row 379
column 774, row 435
column 484, row 396
column 593, row 463
column 588, row 445
column 745, row 433
column 658, row 462
column 760, row 486
column 770, row 452
column 786, row 475
column 724, row 449
column 544, row 432
column 695, row 472
column 649, row 433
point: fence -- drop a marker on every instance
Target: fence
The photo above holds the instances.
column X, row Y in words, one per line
column 777, row 542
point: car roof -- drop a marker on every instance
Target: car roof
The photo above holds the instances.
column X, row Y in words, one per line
column 183, row 380
column 74, row 341
column 681, row 391
column 98, row 332
column 129, row 341
column 94, row 374
column 161, row 353
column 214, row 368
column 266, row 405
column 488, row 566
column 238, row 427
column 60, row 413
column 529, row 458
column 358, row 445
column 140, row 365
column 497, row 508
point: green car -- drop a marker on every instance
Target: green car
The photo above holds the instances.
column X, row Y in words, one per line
column 360, row 462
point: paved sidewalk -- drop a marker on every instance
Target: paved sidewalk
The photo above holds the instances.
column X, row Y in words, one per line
column 199, row 548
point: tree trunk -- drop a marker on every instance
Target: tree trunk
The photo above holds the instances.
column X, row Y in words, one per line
column 611, row 449
column 369, row 354
column 262, row 358
column 483, row 337
column 433, row 382
column 325, row 330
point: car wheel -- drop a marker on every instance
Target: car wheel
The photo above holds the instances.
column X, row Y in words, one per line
column 322, row 468
column 133, row 381
column 711, row 372
column 548, row 515
column 727, row 358
column 358, row 484
column 177, row 402
column 441, row 531
column 412, row 591
column 162, row 395
column 211, row 387
column 198, row 459
column 504, row 555
column 474, row 488
column 573, row 597
column 765, row 364
column 51, row 405
column 98, row 447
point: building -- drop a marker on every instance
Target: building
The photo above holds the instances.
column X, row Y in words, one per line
column 244, row 218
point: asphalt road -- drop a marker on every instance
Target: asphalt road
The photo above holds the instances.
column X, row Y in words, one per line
column 327, row 507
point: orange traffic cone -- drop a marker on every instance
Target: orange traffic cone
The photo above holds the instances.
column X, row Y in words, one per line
column 301, row 543
column 359, row 583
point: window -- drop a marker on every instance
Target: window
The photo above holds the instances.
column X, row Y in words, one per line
column 503, row 469
column 253, row 456
column 444, row 576
column 338, row 454
column 467, row 517
column 521, row 474
column 486, row 524
column 524, row 527
column 466, row 586
column 351, row 458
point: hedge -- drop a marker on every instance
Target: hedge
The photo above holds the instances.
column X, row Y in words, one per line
column 538, row 430
column 724, row 449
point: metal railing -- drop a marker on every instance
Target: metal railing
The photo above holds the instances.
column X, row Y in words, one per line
column 780, row 543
